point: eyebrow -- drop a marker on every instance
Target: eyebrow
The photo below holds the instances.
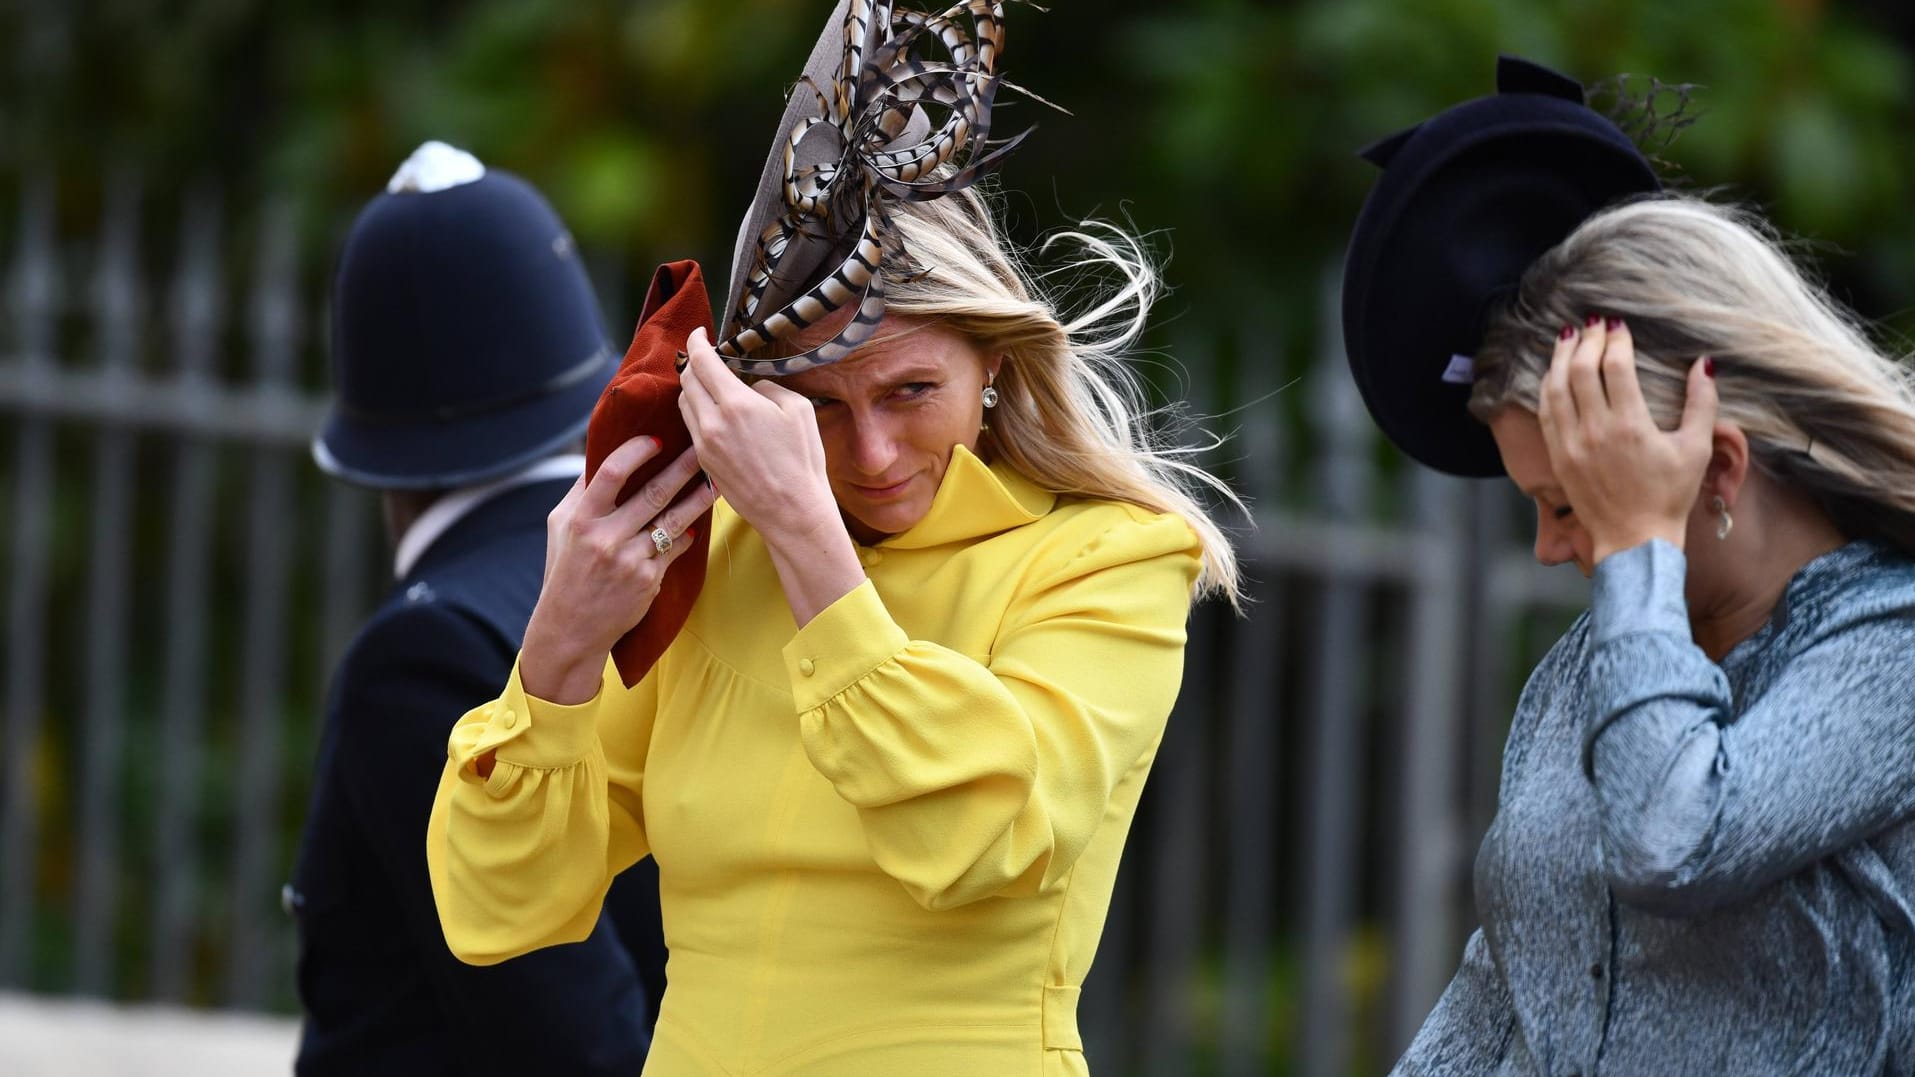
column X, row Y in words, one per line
column 912, row 370
column 901, row 377
column 913, row 373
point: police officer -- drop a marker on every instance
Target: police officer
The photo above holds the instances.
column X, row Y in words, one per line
column 467, row 354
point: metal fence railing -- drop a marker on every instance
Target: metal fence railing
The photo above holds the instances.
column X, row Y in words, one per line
column 178, row 580
column 159, row 516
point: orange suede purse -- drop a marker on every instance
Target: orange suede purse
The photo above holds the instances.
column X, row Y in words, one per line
column 643, row 399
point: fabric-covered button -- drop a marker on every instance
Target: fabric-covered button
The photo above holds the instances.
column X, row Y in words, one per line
column 869, row 558
column 511, row 718
column 807, row 667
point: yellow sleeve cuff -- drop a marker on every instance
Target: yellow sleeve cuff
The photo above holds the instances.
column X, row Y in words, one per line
column 841, row 646
column 530, row 732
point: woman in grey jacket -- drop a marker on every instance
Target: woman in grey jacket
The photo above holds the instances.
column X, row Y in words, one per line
column 1703, row 859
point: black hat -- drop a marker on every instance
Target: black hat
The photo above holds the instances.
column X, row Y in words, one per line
column 1467, row 201
column 466, row 340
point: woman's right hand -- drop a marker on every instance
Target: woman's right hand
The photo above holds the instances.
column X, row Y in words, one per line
column 602, row 570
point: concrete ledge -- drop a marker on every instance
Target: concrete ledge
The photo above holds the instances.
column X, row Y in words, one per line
column 43, row 1036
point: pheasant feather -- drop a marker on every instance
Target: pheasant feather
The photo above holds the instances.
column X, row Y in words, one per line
column 856, row 141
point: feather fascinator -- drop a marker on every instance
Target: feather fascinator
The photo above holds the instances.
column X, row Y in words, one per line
column 857, row 139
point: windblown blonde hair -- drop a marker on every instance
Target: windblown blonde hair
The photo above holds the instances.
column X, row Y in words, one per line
column 1072, row 416
column 1824, row 409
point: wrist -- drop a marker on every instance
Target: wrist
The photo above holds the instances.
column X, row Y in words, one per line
column 557, row 670
column 802, row 519
column 807, row 529
column 816, row 567
column 1631, row 538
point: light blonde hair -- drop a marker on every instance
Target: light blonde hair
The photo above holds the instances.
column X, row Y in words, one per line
column 1824, row 409
column 1072, row 415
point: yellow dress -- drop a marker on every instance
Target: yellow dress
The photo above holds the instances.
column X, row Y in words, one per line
column 886, row 841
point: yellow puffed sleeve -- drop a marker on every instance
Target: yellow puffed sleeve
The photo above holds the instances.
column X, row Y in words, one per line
column 974, row 780
column 522, row 858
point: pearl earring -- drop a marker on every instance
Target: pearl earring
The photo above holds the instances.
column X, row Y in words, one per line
column 1727, row 523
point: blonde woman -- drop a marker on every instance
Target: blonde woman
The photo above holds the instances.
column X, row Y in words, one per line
column 888, row 766
column 1703, row 858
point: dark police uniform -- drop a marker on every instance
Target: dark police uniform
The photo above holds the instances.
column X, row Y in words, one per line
column 382, row 992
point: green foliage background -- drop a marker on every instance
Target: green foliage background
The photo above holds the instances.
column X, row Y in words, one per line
column 1227, row 125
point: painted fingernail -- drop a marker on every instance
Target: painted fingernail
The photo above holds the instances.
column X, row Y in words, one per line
column 1568, row 331
column 1614, row 324
column 1593, row 321
column 1709, row 366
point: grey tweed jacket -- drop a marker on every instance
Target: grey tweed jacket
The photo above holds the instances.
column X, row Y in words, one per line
column 1700, row 868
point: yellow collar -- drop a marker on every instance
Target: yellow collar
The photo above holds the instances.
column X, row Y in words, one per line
column 973, row 501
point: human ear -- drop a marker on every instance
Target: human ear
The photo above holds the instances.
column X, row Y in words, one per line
column 1728, row 464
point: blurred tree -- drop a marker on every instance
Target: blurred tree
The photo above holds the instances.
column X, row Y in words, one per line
column 1231, row 123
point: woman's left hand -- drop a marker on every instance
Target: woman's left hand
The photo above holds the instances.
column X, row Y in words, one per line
column 758, row 443
column 1627, row 480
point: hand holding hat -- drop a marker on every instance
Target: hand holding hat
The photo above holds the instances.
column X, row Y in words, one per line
column 856, row 142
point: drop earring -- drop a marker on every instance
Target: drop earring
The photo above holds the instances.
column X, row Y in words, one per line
column 1727, row 523
column 990, row 396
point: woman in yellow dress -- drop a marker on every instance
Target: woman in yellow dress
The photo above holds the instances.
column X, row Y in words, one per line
column 888, row 766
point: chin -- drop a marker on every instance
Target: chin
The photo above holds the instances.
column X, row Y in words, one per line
column 889, row 519
column 894, row 518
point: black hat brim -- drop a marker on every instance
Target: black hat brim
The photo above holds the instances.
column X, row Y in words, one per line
column 460, row 450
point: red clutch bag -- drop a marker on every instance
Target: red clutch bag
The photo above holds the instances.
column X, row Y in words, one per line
column 643, row 399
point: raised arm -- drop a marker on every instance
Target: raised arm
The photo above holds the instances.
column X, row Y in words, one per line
column 539, row 804
column 521, row 857
column 1702, row 806
column 975, row 780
